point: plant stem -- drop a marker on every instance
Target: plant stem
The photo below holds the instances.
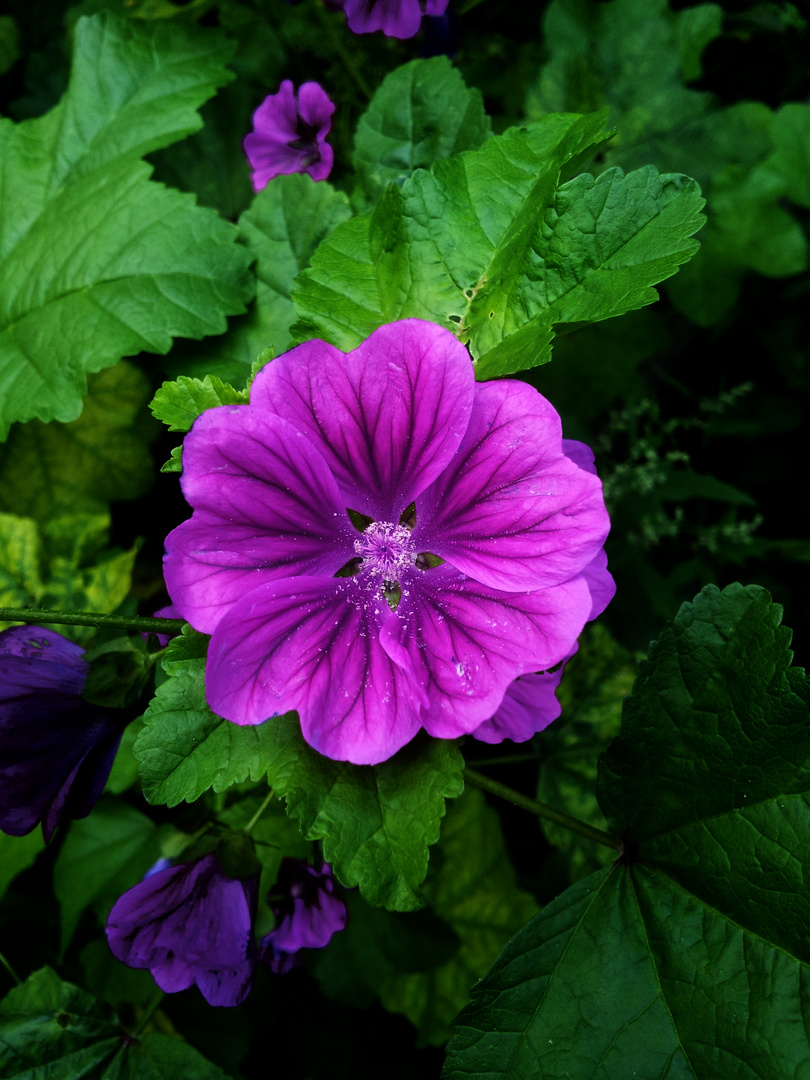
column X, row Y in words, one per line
column 541, row 809
column 91, row 618
column 10, row 970
column 249, row 827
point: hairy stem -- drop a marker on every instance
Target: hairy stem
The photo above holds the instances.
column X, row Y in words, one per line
column 249, row 827
column 542, row 810
column 10, row 970
column 38, row 616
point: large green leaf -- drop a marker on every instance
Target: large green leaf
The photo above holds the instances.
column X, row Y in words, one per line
column 282, row 227
column 474, row 889
column 50, row 1028
column 376, row 821
column 51, row 469
column 97, row 262
column 184, row 748
column 421, row 113
column 694, row 946
column 503, row 273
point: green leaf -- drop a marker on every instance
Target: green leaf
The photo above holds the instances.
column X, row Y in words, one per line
column 474, row 890
column 503, row 274
column 158, row 267
column 118, row 673
column 50, row 1028
column 376, row 821
column 791, row 157
column 421, row 113
column 179, row 403
column 52, row 469
column 282, row 227
column 104, row 855
column 184, row 748
column 17, row 853
column 694, row 946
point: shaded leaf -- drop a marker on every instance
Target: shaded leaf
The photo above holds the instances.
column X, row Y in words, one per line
column 474, row 890
column 17, row 853
column 694, row 946
column 47, row 470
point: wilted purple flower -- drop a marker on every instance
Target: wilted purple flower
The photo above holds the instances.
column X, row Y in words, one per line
column 56, row 750
column 461, row 567
column 396, row 18
column 307, row 912
column 190, row 923
column 289, row 134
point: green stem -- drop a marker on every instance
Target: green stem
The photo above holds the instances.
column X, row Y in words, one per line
column 249, row 827
column 38, row 616
column 10, row 970
column 541, row 809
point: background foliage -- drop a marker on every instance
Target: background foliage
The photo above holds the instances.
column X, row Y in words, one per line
column 128, row 228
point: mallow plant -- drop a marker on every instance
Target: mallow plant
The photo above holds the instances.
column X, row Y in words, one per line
column 382, row 616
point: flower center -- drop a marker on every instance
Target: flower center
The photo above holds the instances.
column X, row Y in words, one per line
column 386, row 550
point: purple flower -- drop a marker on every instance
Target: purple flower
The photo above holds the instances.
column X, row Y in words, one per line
column 289, row 134
column 56, row 750
column 477, row 528
column 307, row 912
column 190, row 924
column 396, row 18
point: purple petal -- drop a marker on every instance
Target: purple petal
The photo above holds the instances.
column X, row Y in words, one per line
column 289, row 133
column 600, row 583
column 396, row 18
column 436, row 7
column 312, row 644
column 305, row 905
column 265, row 506
column 56, row 751
column 512, row 510
column 468, row 642
column 189, row 923
column 35, row 660
column 387, row 417
column 529, row 705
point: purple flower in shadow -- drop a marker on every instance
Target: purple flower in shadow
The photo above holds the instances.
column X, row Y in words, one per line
column 396, row 18
column 56, row 750
column 383, row 544
column 289, row 134
column 307, row 914
column 190, row 923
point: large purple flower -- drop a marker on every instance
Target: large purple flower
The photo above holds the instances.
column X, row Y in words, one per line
column 56, row 751
column 289, row 134
column 396, row 18
column 190, row 923
column 307, row 911
column 461, row 567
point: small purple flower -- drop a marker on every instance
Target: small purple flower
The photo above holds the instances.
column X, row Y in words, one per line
column 383, row 544
column 307, row 912
column 289, row 134
column 396, row 18
column 190, row 923
column 56, row 750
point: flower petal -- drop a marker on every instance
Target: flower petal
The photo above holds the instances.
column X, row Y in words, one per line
column 38, row 661
column 468, row 642
column 512, row 510
column 396, row 18
column 312, row 644
column 387, row 417
column 529, row 705
column 265, row 505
